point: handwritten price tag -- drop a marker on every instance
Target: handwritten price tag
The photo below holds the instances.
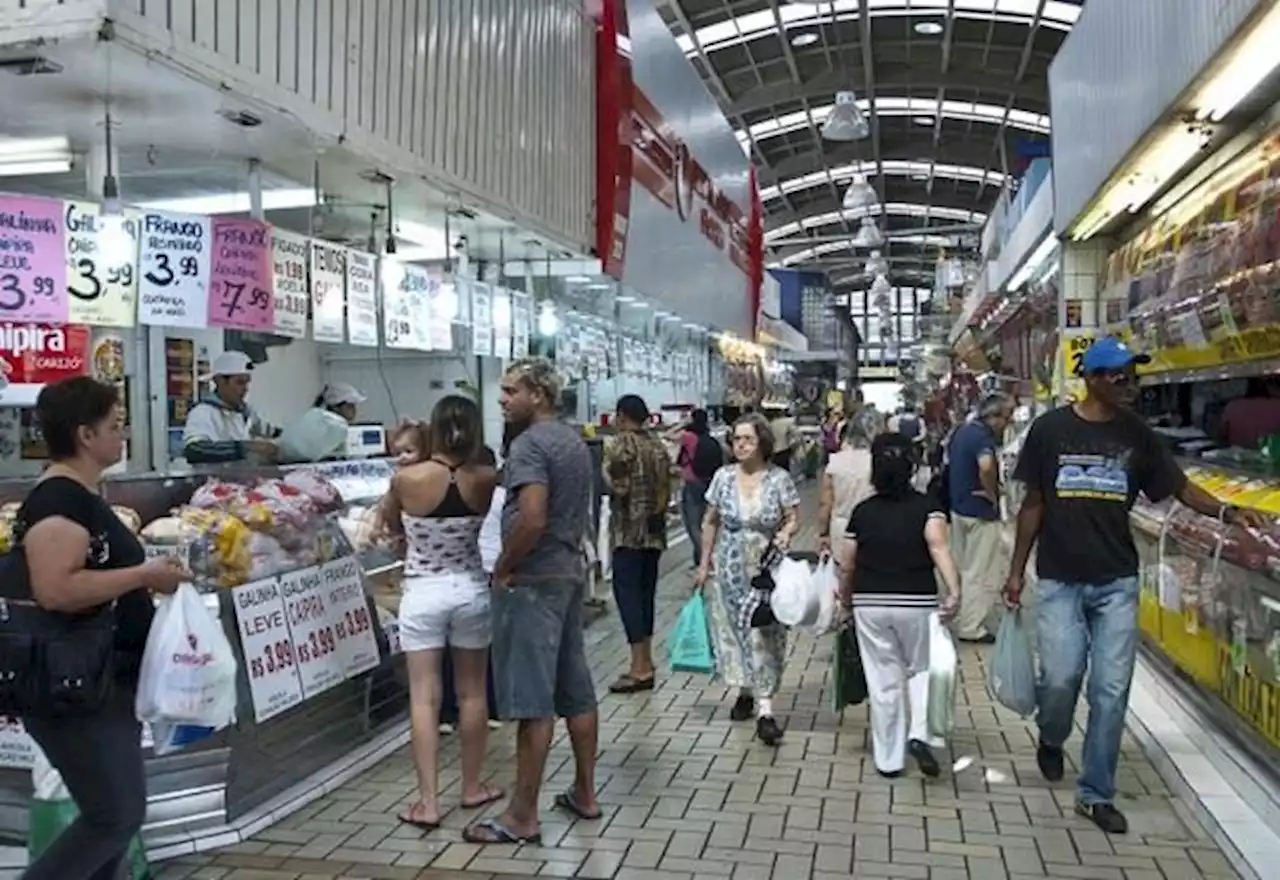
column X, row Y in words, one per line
column 33, row 271
column 173, row 267
column 242, row 277
column 274, row 684
column 315, row 643
column 352, row 622
column 293, row 294
column 102, row 262
column 328, row 292
column 362, row 299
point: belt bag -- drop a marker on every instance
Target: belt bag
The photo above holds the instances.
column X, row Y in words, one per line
column 53, row 664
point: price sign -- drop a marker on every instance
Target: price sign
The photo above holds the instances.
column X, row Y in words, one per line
column 315, row 642
column 349, row 609
column 269, row 659
column 293, row 295
column 173, row 269
column 481, row 320
column 242, row 275
column 501, row 304
column 17, row 748
column 362, row 299
column 405, row 301
column 328, row 292
column 521, row 318
column 102, row 264
column 33, row 269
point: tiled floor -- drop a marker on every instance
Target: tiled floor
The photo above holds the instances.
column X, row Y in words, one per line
column 687, row 794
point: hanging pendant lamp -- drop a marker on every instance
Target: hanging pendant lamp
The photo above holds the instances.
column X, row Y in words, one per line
column 868, row 234
column 847, row 122
column 860, row 194
column 876, row 264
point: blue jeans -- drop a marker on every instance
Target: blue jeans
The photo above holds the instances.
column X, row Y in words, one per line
column 1093, row 626
column 693, row 507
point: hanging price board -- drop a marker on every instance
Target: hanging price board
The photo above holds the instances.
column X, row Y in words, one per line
column 102, row 264
column 405, row 308
column 521, row 319
column 270, row 662
column 442, row 306
column 481, row 319
column 501, row 323
column 292, row 293
column 315, row 644
column 362, row 299
column 328, row 292
column 33, row 269
column 173, row 267
column 349, row 610
column 241, row 275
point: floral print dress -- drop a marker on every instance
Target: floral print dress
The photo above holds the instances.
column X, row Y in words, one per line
column 746, row 657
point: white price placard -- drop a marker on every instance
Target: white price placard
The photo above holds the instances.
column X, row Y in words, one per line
column 328, row 292
column 269, row 657
column 349, row 610
column 521, row 320
column 481, row 320
column 362, row 298
column 17, row 748
column 102, row 266
column 501, row 306
column 174, row 262
column 442, row 305
column 315, row 644
column 291, row 254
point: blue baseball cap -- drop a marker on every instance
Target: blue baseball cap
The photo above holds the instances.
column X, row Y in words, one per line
column 1110, row 353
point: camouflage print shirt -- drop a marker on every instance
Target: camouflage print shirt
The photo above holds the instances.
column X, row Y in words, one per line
column 639, row 472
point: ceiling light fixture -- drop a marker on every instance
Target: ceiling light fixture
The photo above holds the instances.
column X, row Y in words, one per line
column 860, row 194
column 20, row 157
column 924, row 120
column 1249, row 62
column 236, row 203
column 868, row 235
column 928, row 28
column 846, row 122
column 876, row 264
column 806, row 39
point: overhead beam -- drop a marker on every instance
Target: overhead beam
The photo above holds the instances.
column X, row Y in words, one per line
column 910, row 144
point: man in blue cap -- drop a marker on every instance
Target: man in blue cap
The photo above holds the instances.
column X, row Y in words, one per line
column 1083, row 466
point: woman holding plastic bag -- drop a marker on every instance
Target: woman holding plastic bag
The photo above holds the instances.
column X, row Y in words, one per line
column 895, row 540
column 74, row 556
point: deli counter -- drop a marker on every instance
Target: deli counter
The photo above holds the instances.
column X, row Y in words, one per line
column 311, row 621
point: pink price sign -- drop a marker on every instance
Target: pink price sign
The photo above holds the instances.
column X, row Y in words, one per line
column 33, row 265
column 242, row 277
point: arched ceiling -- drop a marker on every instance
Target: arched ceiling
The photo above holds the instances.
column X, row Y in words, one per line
column 954, row 92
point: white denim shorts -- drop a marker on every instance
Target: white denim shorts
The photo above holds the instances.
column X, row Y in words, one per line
column 445, row 609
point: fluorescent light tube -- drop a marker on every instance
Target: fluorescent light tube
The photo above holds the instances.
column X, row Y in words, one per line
column 32, row 167
column 1248, row 63
column 236, row 202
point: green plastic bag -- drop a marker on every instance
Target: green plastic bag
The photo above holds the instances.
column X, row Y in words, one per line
column 848, row 680
column 48, row 819
column 691, row 640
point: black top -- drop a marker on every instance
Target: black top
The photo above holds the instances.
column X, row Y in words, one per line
column 452, row 504
column 111, row 545
column 893, row 565
column 1090, row 473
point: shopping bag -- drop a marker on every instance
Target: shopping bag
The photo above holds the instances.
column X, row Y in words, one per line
column 188, row 675
column 794, row 597
column 691, row 639
column 1011, row 677
column 942, row 679
column 848, row 680
column 52, row 810
column 826, row 583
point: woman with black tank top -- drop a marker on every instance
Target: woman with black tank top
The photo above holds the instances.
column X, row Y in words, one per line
column 895, row 541
column 78, row 557
column 439, row 505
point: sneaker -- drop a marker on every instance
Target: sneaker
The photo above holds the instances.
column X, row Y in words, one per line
column 768, row 731
column 495, row 724
column 889, row 774
column 925, row 760
column 743, row 708
column 1105, row 816
column 1050, row 760
column 446, row 730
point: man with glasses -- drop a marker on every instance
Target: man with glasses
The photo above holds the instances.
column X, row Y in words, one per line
column 1083, row 466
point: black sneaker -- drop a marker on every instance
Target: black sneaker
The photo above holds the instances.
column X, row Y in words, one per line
column 768, row 731
column 743, row 709
column 889, row 774
column 925, row 760
column 1105, row 816
column 1050, row 760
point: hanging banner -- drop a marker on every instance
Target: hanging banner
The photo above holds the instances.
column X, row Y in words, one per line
column 501, row 323
column 174, row 265
column 328, row 292
column 481, row 319
column 442, row 306
column 292, row 294
column 102, row 262
column 404, row 303
column 362, row 298
column 521, row 317
column 33, row 268
column 241, row 275
column 35, row 354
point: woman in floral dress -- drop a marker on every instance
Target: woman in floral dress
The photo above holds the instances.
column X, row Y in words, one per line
column 751, row 507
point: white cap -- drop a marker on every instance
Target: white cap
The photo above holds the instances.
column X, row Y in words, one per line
column 230, row 363
column 338, row 393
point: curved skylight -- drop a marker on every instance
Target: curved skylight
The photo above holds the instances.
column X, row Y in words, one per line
column 900, row 209
column 754, row 25
column 899, row 106
column 921, row 240
column 891, row 167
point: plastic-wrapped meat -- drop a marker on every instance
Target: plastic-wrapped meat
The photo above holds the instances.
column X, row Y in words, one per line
column 323, row 494
column 216, row 495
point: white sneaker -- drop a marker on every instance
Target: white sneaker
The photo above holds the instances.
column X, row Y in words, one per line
column 446, row 730
column 495, row 724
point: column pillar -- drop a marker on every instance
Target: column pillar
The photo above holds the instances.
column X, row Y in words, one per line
column 1081, row 310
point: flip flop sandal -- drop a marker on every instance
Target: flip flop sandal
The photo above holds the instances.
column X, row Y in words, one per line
column 491, row 794
column 628, row 685
column 493, row 831
column 406, row 818
column 567, row 802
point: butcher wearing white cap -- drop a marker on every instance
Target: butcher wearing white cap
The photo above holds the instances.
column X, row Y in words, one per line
column 321, row 432
column 222, row 428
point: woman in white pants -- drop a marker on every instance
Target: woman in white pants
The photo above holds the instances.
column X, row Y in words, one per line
column 895, row 540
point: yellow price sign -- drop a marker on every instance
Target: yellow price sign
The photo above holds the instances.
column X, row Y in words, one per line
column 1074, row 347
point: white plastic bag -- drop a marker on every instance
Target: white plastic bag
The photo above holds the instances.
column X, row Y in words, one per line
column 942, row 679
column 826, row 581
column 318, row 433
column 793, row 598
column 46, row 780
column 188, row 669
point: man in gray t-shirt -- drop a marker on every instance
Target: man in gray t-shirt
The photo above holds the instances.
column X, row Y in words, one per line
column 540, row 666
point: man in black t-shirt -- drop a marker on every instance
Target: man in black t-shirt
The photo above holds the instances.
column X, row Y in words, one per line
column 1083, row 466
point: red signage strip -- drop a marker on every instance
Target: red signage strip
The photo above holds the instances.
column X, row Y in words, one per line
column 613, row 138
column 39, row 353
